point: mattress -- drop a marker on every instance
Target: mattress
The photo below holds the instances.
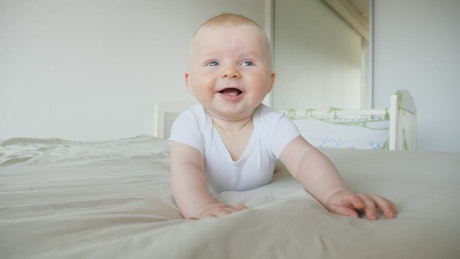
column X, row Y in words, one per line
column 112, row 199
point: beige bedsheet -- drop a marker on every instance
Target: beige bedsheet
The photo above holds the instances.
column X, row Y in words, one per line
column 62, row 199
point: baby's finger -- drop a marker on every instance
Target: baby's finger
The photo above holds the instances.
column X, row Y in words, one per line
column 369, row 207
column 227, row 209
column 357, row 202
column 345, row 211
column 240, row 207
column 386, row 206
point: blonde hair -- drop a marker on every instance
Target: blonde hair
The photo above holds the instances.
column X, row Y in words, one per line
column 231, row 19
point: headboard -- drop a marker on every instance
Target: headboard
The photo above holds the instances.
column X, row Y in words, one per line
column 164, row 116
column 392, row 128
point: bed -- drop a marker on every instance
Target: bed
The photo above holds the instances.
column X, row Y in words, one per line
column 112, row 199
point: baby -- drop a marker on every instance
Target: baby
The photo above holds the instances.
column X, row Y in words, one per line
column 230, row 141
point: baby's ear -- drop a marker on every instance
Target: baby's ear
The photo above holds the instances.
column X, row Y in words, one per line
column 187, row 82
column 272, row 81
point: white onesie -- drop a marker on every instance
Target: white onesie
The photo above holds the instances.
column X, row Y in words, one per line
column 272, row 131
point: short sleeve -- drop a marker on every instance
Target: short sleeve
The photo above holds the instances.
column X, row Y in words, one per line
column 185, row 130
column 284, row 132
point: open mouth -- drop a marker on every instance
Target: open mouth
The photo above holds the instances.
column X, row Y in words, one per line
column 231, row 91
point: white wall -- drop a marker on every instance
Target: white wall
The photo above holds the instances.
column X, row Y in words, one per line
column 417, row 47
column 93, row 69
column 84, row 69
column 317, row 57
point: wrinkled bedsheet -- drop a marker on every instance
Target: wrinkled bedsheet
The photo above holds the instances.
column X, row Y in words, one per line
column 112, row 199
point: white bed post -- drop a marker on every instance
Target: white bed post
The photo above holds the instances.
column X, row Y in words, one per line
column 392, row 140
column 155, row 121
column 402, row 122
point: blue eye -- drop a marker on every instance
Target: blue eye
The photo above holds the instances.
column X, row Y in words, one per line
column 247, row 63
column 213, row 63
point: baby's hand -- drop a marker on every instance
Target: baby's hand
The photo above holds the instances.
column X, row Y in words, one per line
column 216, row 209
column 347, row 203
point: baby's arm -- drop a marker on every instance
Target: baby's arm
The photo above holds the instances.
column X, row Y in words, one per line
column 189, row 185
column 320, row 177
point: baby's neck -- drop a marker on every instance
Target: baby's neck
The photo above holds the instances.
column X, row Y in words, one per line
column 233, row 126
column 235, row 135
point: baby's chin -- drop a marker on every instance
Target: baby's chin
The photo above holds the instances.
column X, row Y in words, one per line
column 230, row 113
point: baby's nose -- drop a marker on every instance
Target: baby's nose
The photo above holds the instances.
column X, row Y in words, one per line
column 230, row 72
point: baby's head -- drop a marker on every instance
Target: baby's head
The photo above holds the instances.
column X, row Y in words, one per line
column 230, row 66
column 235, row 20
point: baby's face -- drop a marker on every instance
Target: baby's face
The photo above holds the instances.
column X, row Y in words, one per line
column 230, row 70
